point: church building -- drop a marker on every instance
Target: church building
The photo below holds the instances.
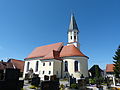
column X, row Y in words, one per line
column 59, row 59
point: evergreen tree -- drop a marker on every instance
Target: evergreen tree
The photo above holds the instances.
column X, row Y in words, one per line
column 117, row 63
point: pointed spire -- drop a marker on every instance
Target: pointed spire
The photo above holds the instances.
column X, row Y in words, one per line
column 73, row 24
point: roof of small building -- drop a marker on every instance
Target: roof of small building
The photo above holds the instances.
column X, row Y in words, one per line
column 19, row 64
column 109, row 68
column 55, row 51
column 4, row 65
column 93, row 68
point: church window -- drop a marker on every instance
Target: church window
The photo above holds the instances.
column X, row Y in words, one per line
column 43, row 72
column 43, row 64
column 49, row 72
column 28, row 64
column 49, row 63
column 76, row 66
column 71, row 37
column 66, row 66
column 56, row 72
column 37, row 63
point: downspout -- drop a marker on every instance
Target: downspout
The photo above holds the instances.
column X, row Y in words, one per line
column 62, row 69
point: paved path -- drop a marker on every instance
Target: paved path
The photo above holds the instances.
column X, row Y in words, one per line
column 26, row 86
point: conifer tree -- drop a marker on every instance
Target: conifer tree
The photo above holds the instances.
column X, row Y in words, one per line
column 117, row 63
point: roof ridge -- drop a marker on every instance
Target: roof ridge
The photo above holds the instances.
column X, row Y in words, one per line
column 50, row 44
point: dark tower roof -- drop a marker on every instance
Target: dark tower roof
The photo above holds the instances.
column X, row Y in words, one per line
column 73, row 25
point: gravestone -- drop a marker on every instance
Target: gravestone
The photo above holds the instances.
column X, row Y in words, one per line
column 46, row 77
column 35, row 81
column 1, row 74
column 11, row 80
column 72, row 80
column 12, row 74
column 53, row 77
column 49, row 85
column 52, row 84
column 82, row 84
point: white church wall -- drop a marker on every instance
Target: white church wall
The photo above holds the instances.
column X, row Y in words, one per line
column 25, row 64
column 57, row 68
column 46, row 69
column 50, row 67
column 32, row 65
column 82, row 67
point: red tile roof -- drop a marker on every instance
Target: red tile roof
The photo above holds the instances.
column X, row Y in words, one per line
column 109, row 68
column 71, row 50
column 52, row 55
column 4, row 65
column 17, row 63
column 45, row 50
column 55, row 51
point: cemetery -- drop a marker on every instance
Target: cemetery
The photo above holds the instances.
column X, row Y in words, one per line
column 9, row 80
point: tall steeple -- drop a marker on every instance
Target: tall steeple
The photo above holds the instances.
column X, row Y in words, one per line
column 73, row 32
column 73, row 25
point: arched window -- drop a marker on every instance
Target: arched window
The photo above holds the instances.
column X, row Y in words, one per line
column 36, row 68
column 71, row 37
column 43, row 72
column 66, row 66
column 75, row 38
column 43, row 64
column 76, row 66
column 28, row 64
column 49, row 63
column 49, row 72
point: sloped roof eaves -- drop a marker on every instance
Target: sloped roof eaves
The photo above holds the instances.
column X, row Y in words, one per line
column 35, row 58
column 52, row 59
column 74, row 56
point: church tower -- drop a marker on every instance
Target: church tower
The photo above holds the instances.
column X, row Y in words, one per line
column 73, row 33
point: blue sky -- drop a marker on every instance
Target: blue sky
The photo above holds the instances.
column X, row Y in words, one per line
column 26, row 24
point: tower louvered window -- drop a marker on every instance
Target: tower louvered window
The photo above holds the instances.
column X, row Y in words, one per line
column 71, row 37
column 75, row 38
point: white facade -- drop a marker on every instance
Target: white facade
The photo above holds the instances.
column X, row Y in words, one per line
column 57, row 67
column 45, row 67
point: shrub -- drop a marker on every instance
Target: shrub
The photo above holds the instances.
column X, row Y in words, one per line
column 92, row 81
column 73, row 86
column 33, row 87
column 62, row 86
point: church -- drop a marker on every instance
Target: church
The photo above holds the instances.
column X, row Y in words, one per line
column 59, row 59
